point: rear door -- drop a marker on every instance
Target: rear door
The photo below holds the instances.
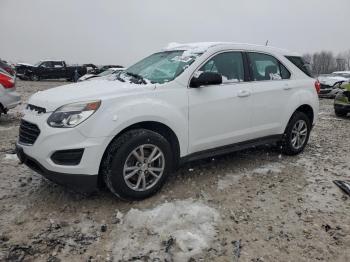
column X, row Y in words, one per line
column 271, row 88
column 220, row 115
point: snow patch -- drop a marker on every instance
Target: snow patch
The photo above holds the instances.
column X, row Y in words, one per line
column 188, row 227
column 268, row 169
column 11, row 157
column 229, row 180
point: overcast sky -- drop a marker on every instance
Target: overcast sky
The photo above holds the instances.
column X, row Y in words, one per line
column 122, row 32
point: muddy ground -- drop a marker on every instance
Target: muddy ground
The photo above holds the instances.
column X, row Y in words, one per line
column 255, row 205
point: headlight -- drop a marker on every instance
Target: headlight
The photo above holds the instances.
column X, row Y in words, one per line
column 72, row 115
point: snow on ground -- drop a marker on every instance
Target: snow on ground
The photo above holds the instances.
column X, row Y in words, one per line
column 268, row 169
column 174, row 231
column 11, row 157
column 231, row 179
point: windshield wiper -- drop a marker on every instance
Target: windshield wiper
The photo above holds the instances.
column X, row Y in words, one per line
column 143, row 81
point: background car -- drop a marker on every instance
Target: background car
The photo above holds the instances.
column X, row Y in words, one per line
column 108, row 74
column 342, row 101
column 330, row 83
column 7, row 67
column 97, row 71
column 9, row 98
column 50, row 69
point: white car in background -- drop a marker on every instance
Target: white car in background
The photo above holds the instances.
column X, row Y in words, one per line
column 330, row 83
column 104, row 73
column 110, row 74
column 186, row 102
column 9, row 98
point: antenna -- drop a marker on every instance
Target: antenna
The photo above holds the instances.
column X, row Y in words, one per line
column 267, row 42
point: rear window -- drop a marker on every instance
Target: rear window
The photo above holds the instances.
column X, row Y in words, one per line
column 300, row 63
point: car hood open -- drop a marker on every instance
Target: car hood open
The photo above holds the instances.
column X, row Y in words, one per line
column 84, row 91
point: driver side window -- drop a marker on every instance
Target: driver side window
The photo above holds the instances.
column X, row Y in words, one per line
column 229, row 65
column 46, row 64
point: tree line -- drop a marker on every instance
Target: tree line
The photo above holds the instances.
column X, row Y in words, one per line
column 326, row 62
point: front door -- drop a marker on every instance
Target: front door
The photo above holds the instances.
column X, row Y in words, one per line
column 220, row 114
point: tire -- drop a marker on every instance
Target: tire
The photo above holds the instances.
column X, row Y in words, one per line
column 340, row 113
column 119, row 155
column 34, row 77
column 290, row 144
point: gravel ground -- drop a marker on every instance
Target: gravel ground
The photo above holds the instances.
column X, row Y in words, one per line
column 255, row 205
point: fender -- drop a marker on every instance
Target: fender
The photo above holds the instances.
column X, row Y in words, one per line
column 119, row 114
column 304, row 96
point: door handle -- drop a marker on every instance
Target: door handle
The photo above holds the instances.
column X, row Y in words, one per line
column 243, row 93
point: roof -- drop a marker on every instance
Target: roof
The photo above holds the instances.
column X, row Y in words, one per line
column 201, row 47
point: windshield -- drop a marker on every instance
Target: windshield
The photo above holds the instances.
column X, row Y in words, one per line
column 160, row 67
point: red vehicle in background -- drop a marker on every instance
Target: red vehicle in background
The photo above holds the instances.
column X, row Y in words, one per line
column 9, row 98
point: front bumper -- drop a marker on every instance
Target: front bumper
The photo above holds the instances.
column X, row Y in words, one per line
column 80, row 175
column 77, row 182
column 342, row 107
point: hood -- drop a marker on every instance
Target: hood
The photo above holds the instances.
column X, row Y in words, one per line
column 24, row 64
column 52, row 99
column 331, row 80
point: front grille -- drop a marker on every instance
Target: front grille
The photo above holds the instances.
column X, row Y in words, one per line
column 28, row 133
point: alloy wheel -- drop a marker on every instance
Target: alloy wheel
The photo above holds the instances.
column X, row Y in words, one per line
column 299, row 134
column 144, row 167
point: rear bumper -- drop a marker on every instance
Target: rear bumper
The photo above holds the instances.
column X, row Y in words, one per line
column 77, row 182
column 10, row 100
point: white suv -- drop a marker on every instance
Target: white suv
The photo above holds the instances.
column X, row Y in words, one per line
column 188, row 101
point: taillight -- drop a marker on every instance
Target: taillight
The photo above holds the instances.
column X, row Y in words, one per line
column 6, row 81
column 317, row 86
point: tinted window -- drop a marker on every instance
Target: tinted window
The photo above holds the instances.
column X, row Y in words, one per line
column 229, row 65
column 46, row 64
column 266, row 67
column 57, row 64
column 285, row 74
column 300, row 63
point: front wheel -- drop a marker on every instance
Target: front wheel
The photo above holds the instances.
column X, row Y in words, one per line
column 296, row 134
column 137, row 164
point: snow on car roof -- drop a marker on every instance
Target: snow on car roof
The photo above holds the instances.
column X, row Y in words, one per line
column 202, row 47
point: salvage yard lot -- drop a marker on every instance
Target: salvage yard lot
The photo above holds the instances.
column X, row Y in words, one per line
column 257, row 205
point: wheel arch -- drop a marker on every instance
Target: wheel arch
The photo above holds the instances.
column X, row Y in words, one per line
column 304, row 108
column 307, row 110
column 154, row 126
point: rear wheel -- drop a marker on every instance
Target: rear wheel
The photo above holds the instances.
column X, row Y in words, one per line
column 296, row 134
column 137, row 164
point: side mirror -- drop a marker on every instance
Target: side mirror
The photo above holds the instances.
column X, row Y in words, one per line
column 205, row 79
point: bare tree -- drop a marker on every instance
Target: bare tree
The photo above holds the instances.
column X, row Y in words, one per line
column 340, row 63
